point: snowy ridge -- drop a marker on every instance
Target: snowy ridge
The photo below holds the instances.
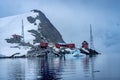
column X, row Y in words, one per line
column 13, row 25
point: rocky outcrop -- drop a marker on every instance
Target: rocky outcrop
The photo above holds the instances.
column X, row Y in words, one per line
column 46, row 31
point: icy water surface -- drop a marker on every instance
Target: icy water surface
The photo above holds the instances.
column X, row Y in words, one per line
column 101, row 67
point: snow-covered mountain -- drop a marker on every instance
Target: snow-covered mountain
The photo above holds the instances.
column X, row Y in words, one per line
column 36, row 28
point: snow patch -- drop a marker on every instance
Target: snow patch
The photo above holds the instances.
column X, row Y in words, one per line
column 13, row 25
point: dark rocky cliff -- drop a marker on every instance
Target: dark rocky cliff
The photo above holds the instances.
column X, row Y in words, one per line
column 46, row 31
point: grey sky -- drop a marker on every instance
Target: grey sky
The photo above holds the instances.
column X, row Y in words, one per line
column 73, row 17
column 12, row 7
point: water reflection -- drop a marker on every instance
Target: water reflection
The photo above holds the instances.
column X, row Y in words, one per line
column 31, row 69
column 89, row 67
column 71, row 68
column 45, row 69
column 86, row 66
column 49, row 71
column 11, row 69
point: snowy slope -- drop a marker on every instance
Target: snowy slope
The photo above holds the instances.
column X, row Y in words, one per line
column 13, row 25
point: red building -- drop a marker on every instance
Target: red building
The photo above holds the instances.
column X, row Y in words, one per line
column 43, row 44
column 71, row 45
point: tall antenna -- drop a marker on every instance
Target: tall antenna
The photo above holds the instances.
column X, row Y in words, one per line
column 91, row 38
column 22, row 31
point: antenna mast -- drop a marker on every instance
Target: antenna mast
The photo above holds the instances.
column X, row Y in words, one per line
column 22, row 31
column 91, row 38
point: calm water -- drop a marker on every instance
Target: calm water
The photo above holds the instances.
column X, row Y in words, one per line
column 101, row 67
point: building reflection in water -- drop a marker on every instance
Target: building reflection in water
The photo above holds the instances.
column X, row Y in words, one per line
column 44, row 68
column 89, row 67
column 86, row 65
column 48, row 68
column 32, row 69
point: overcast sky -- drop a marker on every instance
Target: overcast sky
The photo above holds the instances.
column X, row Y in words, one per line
column 73, row 18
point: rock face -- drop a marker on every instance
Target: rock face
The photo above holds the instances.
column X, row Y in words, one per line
column 46, row 31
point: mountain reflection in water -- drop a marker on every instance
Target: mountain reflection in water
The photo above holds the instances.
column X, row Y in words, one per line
column 101, row 67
